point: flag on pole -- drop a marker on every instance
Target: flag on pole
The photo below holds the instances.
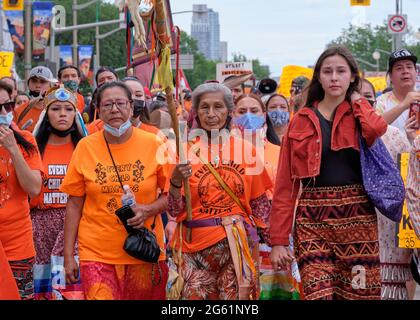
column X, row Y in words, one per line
column 183, row 82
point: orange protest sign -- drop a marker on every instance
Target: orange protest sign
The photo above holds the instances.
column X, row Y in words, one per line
column 6, row 63
column 379, row 83
column 288, row 74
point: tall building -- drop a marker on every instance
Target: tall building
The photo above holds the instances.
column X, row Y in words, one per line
column 223, row 51
column 205, row 28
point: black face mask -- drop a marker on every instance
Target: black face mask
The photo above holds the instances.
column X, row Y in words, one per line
column 372, row 102
column 138, row 107
column 34, row 94
column 59, row 133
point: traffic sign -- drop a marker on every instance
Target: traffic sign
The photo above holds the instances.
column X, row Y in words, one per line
column 359, row 3
column 397, row 23
column 13, row 5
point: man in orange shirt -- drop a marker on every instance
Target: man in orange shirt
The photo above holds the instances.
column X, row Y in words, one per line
column 27, row 115
column 69, row 76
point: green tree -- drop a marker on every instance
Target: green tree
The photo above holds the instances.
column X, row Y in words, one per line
column 112, row 48
column 362, row 41
column 260, row 71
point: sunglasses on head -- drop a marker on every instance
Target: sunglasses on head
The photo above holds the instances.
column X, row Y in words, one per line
column 8, row 106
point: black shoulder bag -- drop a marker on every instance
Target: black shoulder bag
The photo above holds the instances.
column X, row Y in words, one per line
column 140, row 243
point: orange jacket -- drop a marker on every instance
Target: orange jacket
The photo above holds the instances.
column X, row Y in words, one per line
column 300, row 155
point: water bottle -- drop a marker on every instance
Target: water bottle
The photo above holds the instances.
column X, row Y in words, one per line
column 128, row 198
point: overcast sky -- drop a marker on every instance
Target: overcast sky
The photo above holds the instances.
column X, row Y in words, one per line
column 282, row 32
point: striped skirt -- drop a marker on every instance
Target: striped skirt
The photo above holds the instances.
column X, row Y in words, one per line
column 336, row 244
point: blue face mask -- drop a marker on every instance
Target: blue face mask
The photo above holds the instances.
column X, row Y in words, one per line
column 6, row 119
column 279, row 117
column 249, row 121
column 120, row 131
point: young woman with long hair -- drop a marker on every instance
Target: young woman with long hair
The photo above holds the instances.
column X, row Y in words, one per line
column 335, row 225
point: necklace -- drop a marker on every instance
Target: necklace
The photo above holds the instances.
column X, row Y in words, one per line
column 4, row 177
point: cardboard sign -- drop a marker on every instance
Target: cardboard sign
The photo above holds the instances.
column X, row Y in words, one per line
column 6, row 63
column 406, row 237
column 226, row 69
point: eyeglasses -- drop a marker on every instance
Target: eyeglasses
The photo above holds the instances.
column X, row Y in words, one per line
column 8, row 106
column 121, row 105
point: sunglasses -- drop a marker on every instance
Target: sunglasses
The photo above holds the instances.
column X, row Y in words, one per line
column 8, row 106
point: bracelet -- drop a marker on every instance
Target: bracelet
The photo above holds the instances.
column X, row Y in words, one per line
column 174, row 185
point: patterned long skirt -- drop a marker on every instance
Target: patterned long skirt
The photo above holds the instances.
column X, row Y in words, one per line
column 336, row 244
column 23, row 273
column 103, row 281
column 209, row 274
column 49, row 274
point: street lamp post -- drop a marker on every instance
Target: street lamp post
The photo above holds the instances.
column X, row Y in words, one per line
column 28, row 39
column 376, row 55
column 366, row 62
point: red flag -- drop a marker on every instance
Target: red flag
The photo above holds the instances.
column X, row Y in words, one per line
column 183, row 82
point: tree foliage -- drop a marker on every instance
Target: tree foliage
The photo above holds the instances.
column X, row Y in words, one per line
column 203, row 69
column 112, row 48
column 362, row 41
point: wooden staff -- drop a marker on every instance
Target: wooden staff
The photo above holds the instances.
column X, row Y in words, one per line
column 164, row 39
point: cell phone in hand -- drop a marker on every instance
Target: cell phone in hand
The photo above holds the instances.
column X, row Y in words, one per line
column 415, row 110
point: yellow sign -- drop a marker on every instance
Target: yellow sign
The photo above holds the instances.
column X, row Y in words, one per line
column 288, row 74
column 379, row 83
column 360, row 2
column 13, row 5
column 406, row 236
column 6, row 63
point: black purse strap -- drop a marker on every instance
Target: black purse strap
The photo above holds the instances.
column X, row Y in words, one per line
column 119, row 178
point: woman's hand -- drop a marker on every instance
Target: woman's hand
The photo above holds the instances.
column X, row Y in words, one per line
column 410, row 98
column 170, row 229
column 142, row 212
column 7, row 139
column 72, row 269
column 411, row 128
column 281, row 256
column 181, row 172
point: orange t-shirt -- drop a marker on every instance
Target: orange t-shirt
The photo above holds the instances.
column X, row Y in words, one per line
column 90, row 173
column 271, row 160
column 210, row 200
column 55, row 160
column 98, row 125
column 188, row 105
column 33, row 114
column 80, row 103
column 8, row 287
column 15, row 222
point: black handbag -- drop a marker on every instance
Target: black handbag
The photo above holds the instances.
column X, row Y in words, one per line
column 140, row 243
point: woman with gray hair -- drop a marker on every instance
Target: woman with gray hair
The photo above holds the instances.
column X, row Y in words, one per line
column 228, row 184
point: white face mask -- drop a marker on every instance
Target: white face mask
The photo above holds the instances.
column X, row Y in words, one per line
column 6, row 119
column 120, row 131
